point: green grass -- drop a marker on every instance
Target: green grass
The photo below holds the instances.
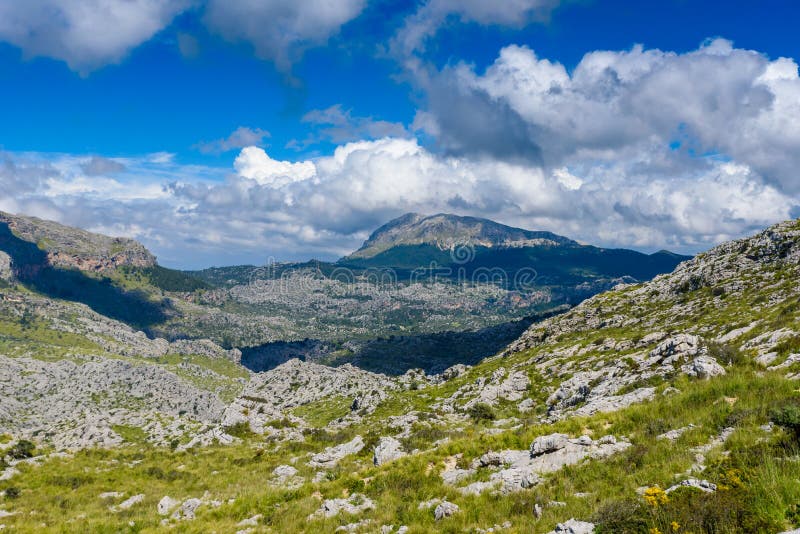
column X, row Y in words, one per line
column 67, row 489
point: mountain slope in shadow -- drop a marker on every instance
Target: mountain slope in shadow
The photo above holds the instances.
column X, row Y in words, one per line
column 31, row 267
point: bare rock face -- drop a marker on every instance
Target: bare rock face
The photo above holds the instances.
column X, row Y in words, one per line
column 79, row 401
column 388, row 449
column 6, row 274
column 548, row 444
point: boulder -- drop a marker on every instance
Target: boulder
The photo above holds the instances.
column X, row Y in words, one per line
column 332, row 455
column 548, row 444
column 166, row 505
column 445, row 509
column 388, row 449
column 573, row 526
column 703, row 367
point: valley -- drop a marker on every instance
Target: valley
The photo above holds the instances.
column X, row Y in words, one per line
column 661, row 401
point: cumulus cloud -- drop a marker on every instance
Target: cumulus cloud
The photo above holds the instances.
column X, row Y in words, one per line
column 718, row 99
column 241, row 137
column 433, row 14
column 86, row 34
column 278, row 30
column 330, row 204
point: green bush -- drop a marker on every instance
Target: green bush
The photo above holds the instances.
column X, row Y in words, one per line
column 239, row 430
column 22, row 449
column 481, row 412
column 12, row 492
column 788, row 417
column 726, row 354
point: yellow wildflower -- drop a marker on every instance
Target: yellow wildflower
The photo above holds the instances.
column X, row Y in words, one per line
column 675, row 526
column 655, row 496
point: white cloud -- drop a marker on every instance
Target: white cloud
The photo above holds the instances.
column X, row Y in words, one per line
column 86, row 34
column 717, row 99
column 254, row 163
column 279, row 30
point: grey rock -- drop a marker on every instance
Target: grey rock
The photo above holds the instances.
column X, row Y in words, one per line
column 573, row 526
column 354, row 504
column 386, row 450
column 445, row 509
column 187, row 510
column 167, row 504
column 703, row 367
column 128, row 503
column 548, row 444
column 332, row 455
column 702, row 485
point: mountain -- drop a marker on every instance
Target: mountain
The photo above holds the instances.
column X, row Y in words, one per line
column 474, row 248
column 67, row 247
column 445, row 232
column 664, row 406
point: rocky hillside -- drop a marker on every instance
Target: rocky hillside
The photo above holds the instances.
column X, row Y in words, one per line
column 666, row 406
column 68, row 247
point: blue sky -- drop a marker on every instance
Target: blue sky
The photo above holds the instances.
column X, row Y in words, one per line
column 222, row 119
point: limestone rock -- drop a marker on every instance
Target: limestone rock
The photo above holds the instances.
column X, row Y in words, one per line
column 128, row 503
column 188, row 509
column 702, row 485
column 354, row 504
column 548, row 444
column 332, row 455
column 167, row 504
column 386, row 450
column 445, row 509
column 703, row 367
column 573, row 526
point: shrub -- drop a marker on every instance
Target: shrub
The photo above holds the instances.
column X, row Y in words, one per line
column 726, row 354
column 788, row 417
column 12, row 492
column 481, row 412
column 22, row 449
column 239, row 430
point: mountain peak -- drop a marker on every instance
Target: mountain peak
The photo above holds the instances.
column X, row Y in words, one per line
column 444, row 231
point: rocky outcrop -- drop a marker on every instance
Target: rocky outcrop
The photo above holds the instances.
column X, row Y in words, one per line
column 355, row 504
column 271, row 395
column 332, row 455
column 518, row 470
